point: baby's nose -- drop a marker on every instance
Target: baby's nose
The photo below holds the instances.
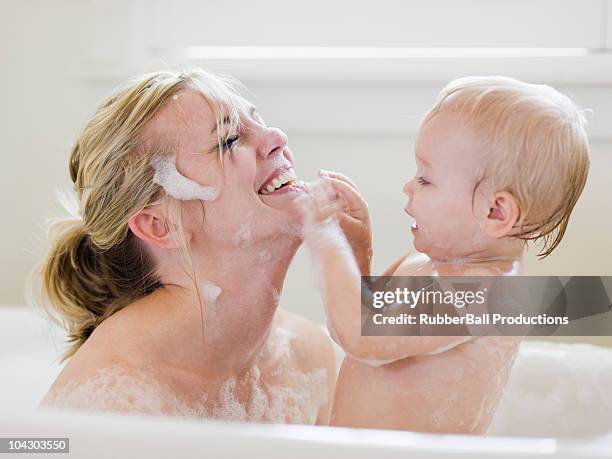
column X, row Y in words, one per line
column 408, row 188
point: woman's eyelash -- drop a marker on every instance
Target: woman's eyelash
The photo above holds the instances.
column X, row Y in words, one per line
column 422, row 181
column 229, row 142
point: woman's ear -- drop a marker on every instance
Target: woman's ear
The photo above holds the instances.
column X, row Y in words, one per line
column 502, row 215
column 149, row 226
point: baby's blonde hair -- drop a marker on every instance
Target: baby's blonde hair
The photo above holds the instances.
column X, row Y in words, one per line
column 95, row 265
column 541, row 140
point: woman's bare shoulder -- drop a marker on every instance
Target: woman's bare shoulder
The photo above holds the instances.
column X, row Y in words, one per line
column 311, row 343
column 109, row 371
column 108, row 388
column 414, row 263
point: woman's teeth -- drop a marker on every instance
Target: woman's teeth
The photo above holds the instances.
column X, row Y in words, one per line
column 286, row 178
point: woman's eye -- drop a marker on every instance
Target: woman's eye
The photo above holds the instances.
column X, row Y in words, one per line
column 229, row 142
column 422, row 181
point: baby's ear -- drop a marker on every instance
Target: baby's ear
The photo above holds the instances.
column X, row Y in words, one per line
column 149, row 225
column 502, row 215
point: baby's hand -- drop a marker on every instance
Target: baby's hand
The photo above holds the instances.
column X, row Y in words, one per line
column 320, row 205
column 354, row 220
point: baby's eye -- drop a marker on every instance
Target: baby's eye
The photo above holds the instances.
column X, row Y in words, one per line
column 422, row 181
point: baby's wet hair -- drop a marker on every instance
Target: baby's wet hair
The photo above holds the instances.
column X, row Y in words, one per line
column 542, row 148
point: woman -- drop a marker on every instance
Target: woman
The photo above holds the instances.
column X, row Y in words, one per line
column 169, row 279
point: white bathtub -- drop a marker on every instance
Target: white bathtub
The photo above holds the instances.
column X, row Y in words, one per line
column 557, row 404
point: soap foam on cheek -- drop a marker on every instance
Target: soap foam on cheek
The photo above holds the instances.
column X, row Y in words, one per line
column 210, row 294
column 177, row 185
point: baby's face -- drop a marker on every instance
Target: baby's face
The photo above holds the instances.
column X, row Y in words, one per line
column 441, row 196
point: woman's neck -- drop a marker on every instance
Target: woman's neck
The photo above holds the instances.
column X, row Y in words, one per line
column 239, row 288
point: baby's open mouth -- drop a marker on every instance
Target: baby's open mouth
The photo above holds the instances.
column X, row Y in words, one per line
column 278, row 180
column 414, row 225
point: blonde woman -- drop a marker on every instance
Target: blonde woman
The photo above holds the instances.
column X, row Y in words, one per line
column 169, row 278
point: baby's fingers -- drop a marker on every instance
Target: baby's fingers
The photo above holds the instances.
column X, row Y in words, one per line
column 338, row 176
column 321, row 202
column 358, row 208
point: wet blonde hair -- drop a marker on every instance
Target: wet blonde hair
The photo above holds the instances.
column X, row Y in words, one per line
column 542, row 148
column 95, row 265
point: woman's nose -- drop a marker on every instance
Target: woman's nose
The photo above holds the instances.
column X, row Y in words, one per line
column 274, row 140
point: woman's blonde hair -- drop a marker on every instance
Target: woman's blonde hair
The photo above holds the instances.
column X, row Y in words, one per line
column 542, row 148
column 95, row 265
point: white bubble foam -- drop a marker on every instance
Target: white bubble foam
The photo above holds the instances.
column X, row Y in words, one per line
column 324, row 235
column 210, row 292
column 177, row 185
column 228, row 407
column 243, row 235
column 283, row 393
column 297, row 402
column 113, row 389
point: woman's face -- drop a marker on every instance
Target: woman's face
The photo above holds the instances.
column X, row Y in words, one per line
column 256, row 160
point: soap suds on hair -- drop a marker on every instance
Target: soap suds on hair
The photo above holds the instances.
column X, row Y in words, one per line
column 177, row 185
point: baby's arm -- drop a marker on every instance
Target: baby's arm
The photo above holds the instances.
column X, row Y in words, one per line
column 340, row 284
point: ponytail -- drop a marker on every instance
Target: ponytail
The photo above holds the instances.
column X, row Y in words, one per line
column 83, row 285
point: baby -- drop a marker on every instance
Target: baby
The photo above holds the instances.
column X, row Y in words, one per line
column 499, row 162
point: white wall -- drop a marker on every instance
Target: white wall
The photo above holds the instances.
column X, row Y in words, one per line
column 356, row 116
